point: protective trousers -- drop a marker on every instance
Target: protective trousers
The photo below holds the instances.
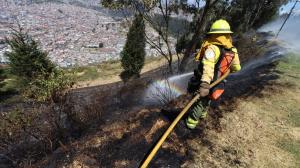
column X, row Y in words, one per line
column 198, row 111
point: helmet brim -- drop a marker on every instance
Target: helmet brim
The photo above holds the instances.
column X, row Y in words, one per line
column 220, row 32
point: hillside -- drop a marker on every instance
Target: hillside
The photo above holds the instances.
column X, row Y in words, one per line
column 65, row 104
column 255, row 125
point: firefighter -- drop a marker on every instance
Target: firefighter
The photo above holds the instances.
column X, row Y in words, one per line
column 216, row 56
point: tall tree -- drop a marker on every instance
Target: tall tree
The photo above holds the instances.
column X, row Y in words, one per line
column 133, row 54
column 201, row 23
column 157, row 15
column 244, row 15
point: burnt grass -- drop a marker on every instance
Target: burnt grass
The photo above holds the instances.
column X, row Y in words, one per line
column 126, row 130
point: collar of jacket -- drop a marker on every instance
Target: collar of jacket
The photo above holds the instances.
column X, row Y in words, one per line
column 224, row 40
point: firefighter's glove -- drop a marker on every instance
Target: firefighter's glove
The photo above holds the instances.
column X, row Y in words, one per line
column 204, row 89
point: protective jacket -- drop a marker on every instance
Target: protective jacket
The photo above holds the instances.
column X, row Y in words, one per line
column 216, row 56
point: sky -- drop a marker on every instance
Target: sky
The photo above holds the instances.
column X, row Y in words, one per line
column 286, row 8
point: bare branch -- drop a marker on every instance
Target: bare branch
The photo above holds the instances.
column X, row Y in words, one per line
column 157, row 47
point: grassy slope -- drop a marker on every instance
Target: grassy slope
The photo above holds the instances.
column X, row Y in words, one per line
column 108, row 72
column 290, row 141
column 261, row 131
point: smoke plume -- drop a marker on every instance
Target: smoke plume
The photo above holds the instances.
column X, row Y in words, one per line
column 290, row 33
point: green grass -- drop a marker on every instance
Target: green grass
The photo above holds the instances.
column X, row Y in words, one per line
column 103, row 70
column 289, row 67
column 92, row 72
column 86, row 73
column 293, row 147
column 9, row 84
column 294, row 118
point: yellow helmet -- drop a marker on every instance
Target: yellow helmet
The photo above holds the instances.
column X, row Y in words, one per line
column 220, row 26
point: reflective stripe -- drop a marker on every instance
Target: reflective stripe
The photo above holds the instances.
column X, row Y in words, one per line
column 191, row 126
column 207, row 62
column 191, row 123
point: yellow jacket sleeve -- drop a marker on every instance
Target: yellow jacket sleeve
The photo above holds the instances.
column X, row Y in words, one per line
column 236, row 66
column 210, row 57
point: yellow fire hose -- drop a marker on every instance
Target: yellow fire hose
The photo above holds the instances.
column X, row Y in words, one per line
column 177, row 119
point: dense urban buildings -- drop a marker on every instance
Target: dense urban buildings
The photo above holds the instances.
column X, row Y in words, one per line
column 72, row 33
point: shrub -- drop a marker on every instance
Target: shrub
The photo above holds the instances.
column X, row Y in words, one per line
column 51, row 88
column 133, row 54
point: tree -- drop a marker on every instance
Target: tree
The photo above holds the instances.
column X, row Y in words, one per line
column 161, row 24
column 201, row 19
column 245, row 15
column 133, row 54
column 157, row 15
column 40, row 78
column 26, row 59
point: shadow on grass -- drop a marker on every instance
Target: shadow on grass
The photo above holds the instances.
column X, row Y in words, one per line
column 7, row 94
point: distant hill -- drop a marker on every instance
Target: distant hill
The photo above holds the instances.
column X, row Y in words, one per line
column 90, row 4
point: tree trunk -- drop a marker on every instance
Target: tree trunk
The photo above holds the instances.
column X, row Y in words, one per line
column 170, row 66
column 197, row 36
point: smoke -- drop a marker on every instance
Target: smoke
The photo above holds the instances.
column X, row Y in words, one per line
column 290, row 33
